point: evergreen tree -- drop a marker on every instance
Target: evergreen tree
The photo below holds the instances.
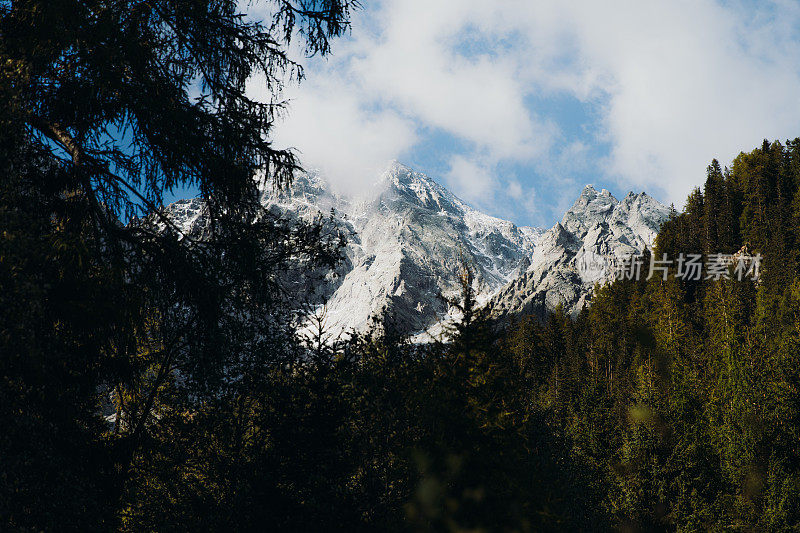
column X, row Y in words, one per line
column 101, row 118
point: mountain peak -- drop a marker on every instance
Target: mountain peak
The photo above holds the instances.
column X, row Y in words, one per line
column 589, row 205
column 563, row 265
column 406, row 230
column 403, row 175
column 395, row 166
column 643, row 195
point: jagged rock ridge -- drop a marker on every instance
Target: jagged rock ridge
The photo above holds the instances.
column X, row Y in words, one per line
column 406, row 234
column 597, row 226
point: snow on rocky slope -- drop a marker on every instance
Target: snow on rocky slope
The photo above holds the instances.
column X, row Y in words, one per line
column 569, row 258
column 406, row 234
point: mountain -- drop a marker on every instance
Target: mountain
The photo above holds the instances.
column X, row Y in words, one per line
column 570, row 257
column 407, row 233
column 405, row 236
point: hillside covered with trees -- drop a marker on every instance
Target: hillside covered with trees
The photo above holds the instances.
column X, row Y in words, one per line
column 156, row 381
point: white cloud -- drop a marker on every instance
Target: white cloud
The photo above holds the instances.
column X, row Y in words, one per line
column 685, row 82
column 673, row 84
column 472, row 177
column 515, row 189
column 414, row 65
column 332, row 130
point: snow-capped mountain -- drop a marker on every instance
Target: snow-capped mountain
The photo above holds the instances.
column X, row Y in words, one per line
column 571, row 257
column 406, row 235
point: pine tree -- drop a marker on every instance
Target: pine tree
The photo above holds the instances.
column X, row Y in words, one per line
column 100, row 120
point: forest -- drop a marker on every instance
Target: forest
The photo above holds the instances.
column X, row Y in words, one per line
column 155, row 381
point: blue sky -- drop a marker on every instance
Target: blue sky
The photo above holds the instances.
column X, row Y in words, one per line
column 516, row 105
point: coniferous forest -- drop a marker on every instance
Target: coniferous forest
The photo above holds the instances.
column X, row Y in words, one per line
column 155, row 381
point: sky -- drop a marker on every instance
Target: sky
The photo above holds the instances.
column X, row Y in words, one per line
column 516, row 105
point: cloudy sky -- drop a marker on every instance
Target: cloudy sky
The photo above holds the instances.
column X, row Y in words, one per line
column 515, row 105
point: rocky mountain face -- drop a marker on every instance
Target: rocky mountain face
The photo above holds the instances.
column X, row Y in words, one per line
column 406, row 235
column 574, row 254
